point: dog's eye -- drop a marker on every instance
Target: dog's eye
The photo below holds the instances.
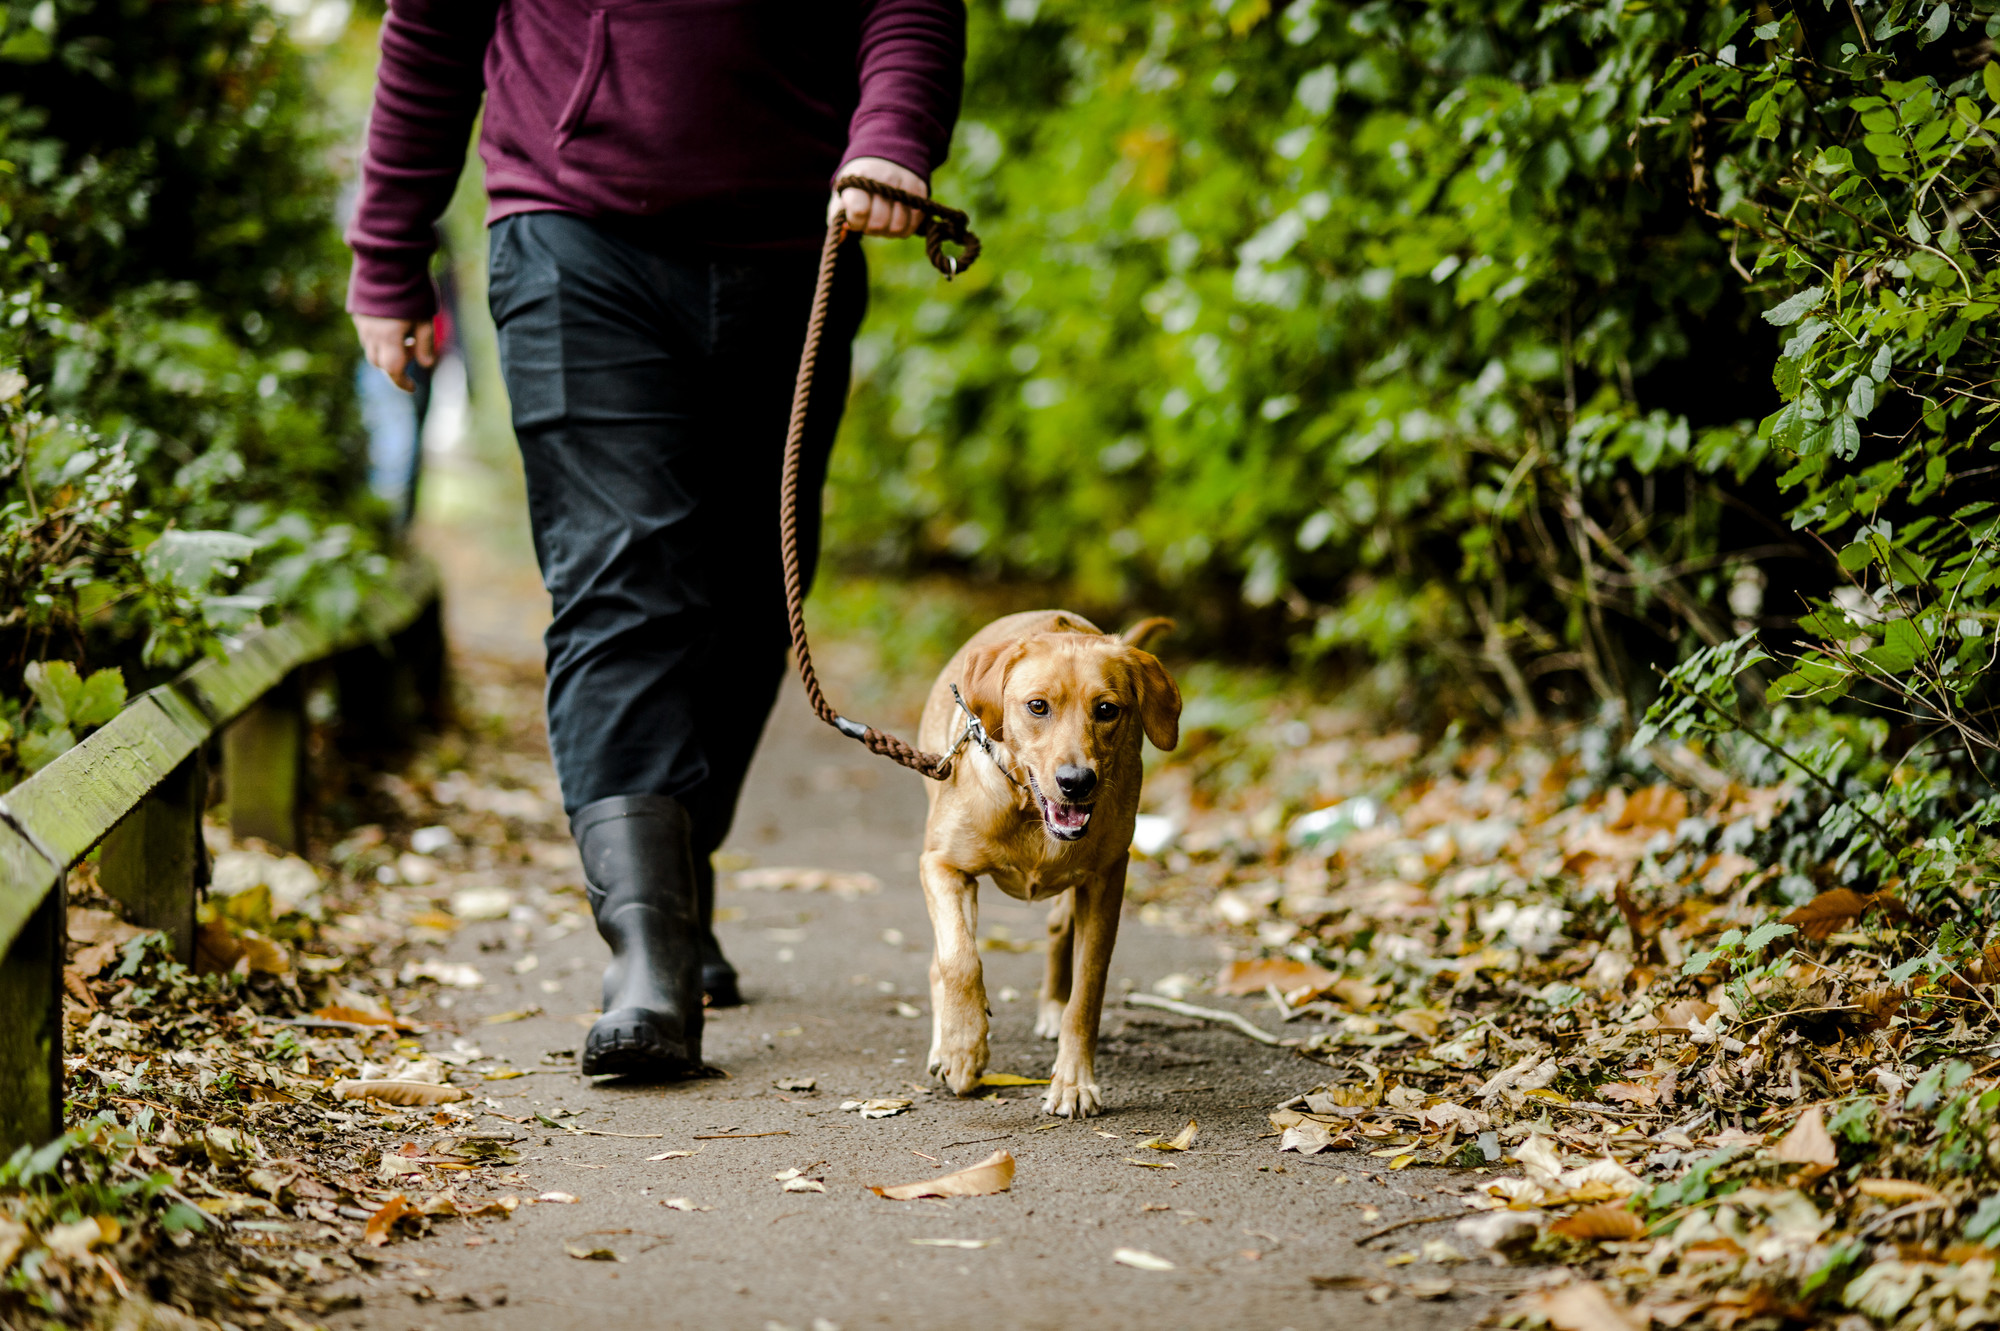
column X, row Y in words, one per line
column 1105, row 711
column 1037, row 707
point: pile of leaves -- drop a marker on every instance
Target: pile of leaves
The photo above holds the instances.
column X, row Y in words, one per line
column 180, row 449
column 254, row 1132
column 1734, row 1086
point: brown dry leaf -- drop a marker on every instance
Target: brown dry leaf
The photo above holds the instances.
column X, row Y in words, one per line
column 1011, row 1079
column 1808, row 1142
column 1680, row 1016
column 376, row 1233
column 585, row 1253
column 1419, row 1021
column 1581, row 1306
column 1629, row 1092
column 1652, row 809
column 13, row 1237
column 91, row 961
column 1357, row 994
column 1829, row 911
column 1239, row 978
column 993, row 1174
column 78, row 988
column 1896, row 1190
column 99, row 927
column 1181, row 1142
column 1605, row 1222
column 502, row 1207
column 408, row 1093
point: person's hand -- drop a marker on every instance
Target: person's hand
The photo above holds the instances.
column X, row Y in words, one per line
column 870, row 216
column 390, row 345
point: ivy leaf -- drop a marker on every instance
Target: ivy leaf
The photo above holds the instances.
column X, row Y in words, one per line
column 57, row 688
column 1935, row 25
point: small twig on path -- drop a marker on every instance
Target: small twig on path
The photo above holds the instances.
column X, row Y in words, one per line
column 717, row 1136
column 1403, row 1224
column 978, row 1141
column 1216, row 1015
column 545, row 1120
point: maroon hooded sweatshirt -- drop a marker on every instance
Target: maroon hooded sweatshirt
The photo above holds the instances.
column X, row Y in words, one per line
column 725, row 120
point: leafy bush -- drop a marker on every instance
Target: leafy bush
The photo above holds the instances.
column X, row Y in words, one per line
column 179, row 445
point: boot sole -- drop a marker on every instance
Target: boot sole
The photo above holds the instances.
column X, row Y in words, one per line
column 718, row 985
column 627, row 1045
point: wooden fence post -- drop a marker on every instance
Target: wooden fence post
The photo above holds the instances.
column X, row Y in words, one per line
column 31, row 1033
column 263, row 760
column 153, row 862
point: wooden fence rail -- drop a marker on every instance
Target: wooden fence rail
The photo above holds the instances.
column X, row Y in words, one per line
column 137, row 788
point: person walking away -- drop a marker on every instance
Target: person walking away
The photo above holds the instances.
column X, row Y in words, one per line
column 658, row 174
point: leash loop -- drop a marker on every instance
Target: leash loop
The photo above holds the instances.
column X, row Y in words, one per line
column 941, row 226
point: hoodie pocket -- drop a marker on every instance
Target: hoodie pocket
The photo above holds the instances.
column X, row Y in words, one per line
column 676, row 98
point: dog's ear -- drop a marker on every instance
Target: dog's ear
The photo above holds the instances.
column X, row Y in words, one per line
column 1159, row 699
column 1145, row 630
column 984, row 682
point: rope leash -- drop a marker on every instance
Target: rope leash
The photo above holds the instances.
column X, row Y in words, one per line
column 941, row 225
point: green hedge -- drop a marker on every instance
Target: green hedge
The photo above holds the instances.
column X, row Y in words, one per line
column 180, row 449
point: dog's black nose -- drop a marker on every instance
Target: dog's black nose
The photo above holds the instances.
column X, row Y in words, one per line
column 1075, row 783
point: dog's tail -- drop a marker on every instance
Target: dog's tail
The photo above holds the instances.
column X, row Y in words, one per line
column 1145, row 630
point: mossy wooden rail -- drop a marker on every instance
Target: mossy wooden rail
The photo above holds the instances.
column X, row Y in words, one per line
column 137, row 789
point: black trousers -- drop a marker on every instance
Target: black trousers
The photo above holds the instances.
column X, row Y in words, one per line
column 650, row 383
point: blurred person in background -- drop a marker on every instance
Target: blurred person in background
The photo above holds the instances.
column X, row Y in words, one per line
column 658, row 177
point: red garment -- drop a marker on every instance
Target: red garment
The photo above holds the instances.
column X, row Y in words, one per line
column 726, row 120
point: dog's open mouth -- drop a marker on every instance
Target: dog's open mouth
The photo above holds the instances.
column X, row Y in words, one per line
column 1065, row 822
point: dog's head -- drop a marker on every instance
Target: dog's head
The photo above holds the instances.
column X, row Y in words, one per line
column 1069, row 706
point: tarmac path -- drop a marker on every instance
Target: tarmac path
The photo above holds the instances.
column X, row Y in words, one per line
column 838, row 994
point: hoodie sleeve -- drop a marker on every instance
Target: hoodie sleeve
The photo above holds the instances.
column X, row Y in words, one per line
column 912, row 71
column 427, row 93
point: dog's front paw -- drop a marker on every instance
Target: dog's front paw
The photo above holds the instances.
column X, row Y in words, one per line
column 1048, row 1022
column 961, row 1066
column 1072, row 1096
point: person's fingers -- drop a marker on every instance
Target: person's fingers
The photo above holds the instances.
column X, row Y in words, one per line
column 426, row 344
column 861, row 209
column 392, row 358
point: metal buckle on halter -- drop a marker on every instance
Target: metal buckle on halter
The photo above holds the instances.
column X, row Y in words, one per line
column 975, row 731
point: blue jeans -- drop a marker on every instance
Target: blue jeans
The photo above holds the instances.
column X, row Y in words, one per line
column 651, row 383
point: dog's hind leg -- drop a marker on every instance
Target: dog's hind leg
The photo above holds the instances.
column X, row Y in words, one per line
column 958, row 985
column 1073, row 1089
column 1061, row 965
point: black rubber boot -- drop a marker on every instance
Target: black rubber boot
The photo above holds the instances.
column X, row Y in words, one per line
column 718, row 977
column 640, row 877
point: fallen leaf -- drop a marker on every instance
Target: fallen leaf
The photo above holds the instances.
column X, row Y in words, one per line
column 13, row 1237
column 1896, row 1190
column 482, row 903
column 1251, row 977
column 993, row 1174
column 1429, row 1290
column 671, row 1155
column 74, row 1241
column 585, row 1254
column 1581, row 1306
column 795, row 1180
column 1309, row 1136
column 1605, row 1222
column 1011, row 1079
column 1141, row 1260
column 517, row 1014
column 456, row 974
column 496, row 1206
column 399, row 1092
column 561, row 1198
column 796, row 1084
column 1342, row 1282
column 884, row 1108
column 376, row 1232
column 808, row 880
column 1629, row 1092
column 1828, row 912
column 683, row 1204
column 1808, row 1142
column 1420, row 1022
column 951, row 1243
column 1181, row 1142
column 1151, row 1164
column 99, row 926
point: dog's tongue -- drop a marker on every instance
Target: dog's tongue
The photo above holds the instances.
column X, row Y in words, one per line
column 1068, row 817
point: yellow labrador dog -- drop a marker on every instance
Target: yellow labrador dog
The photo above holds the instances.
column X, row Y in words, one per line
column 1046, row 713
